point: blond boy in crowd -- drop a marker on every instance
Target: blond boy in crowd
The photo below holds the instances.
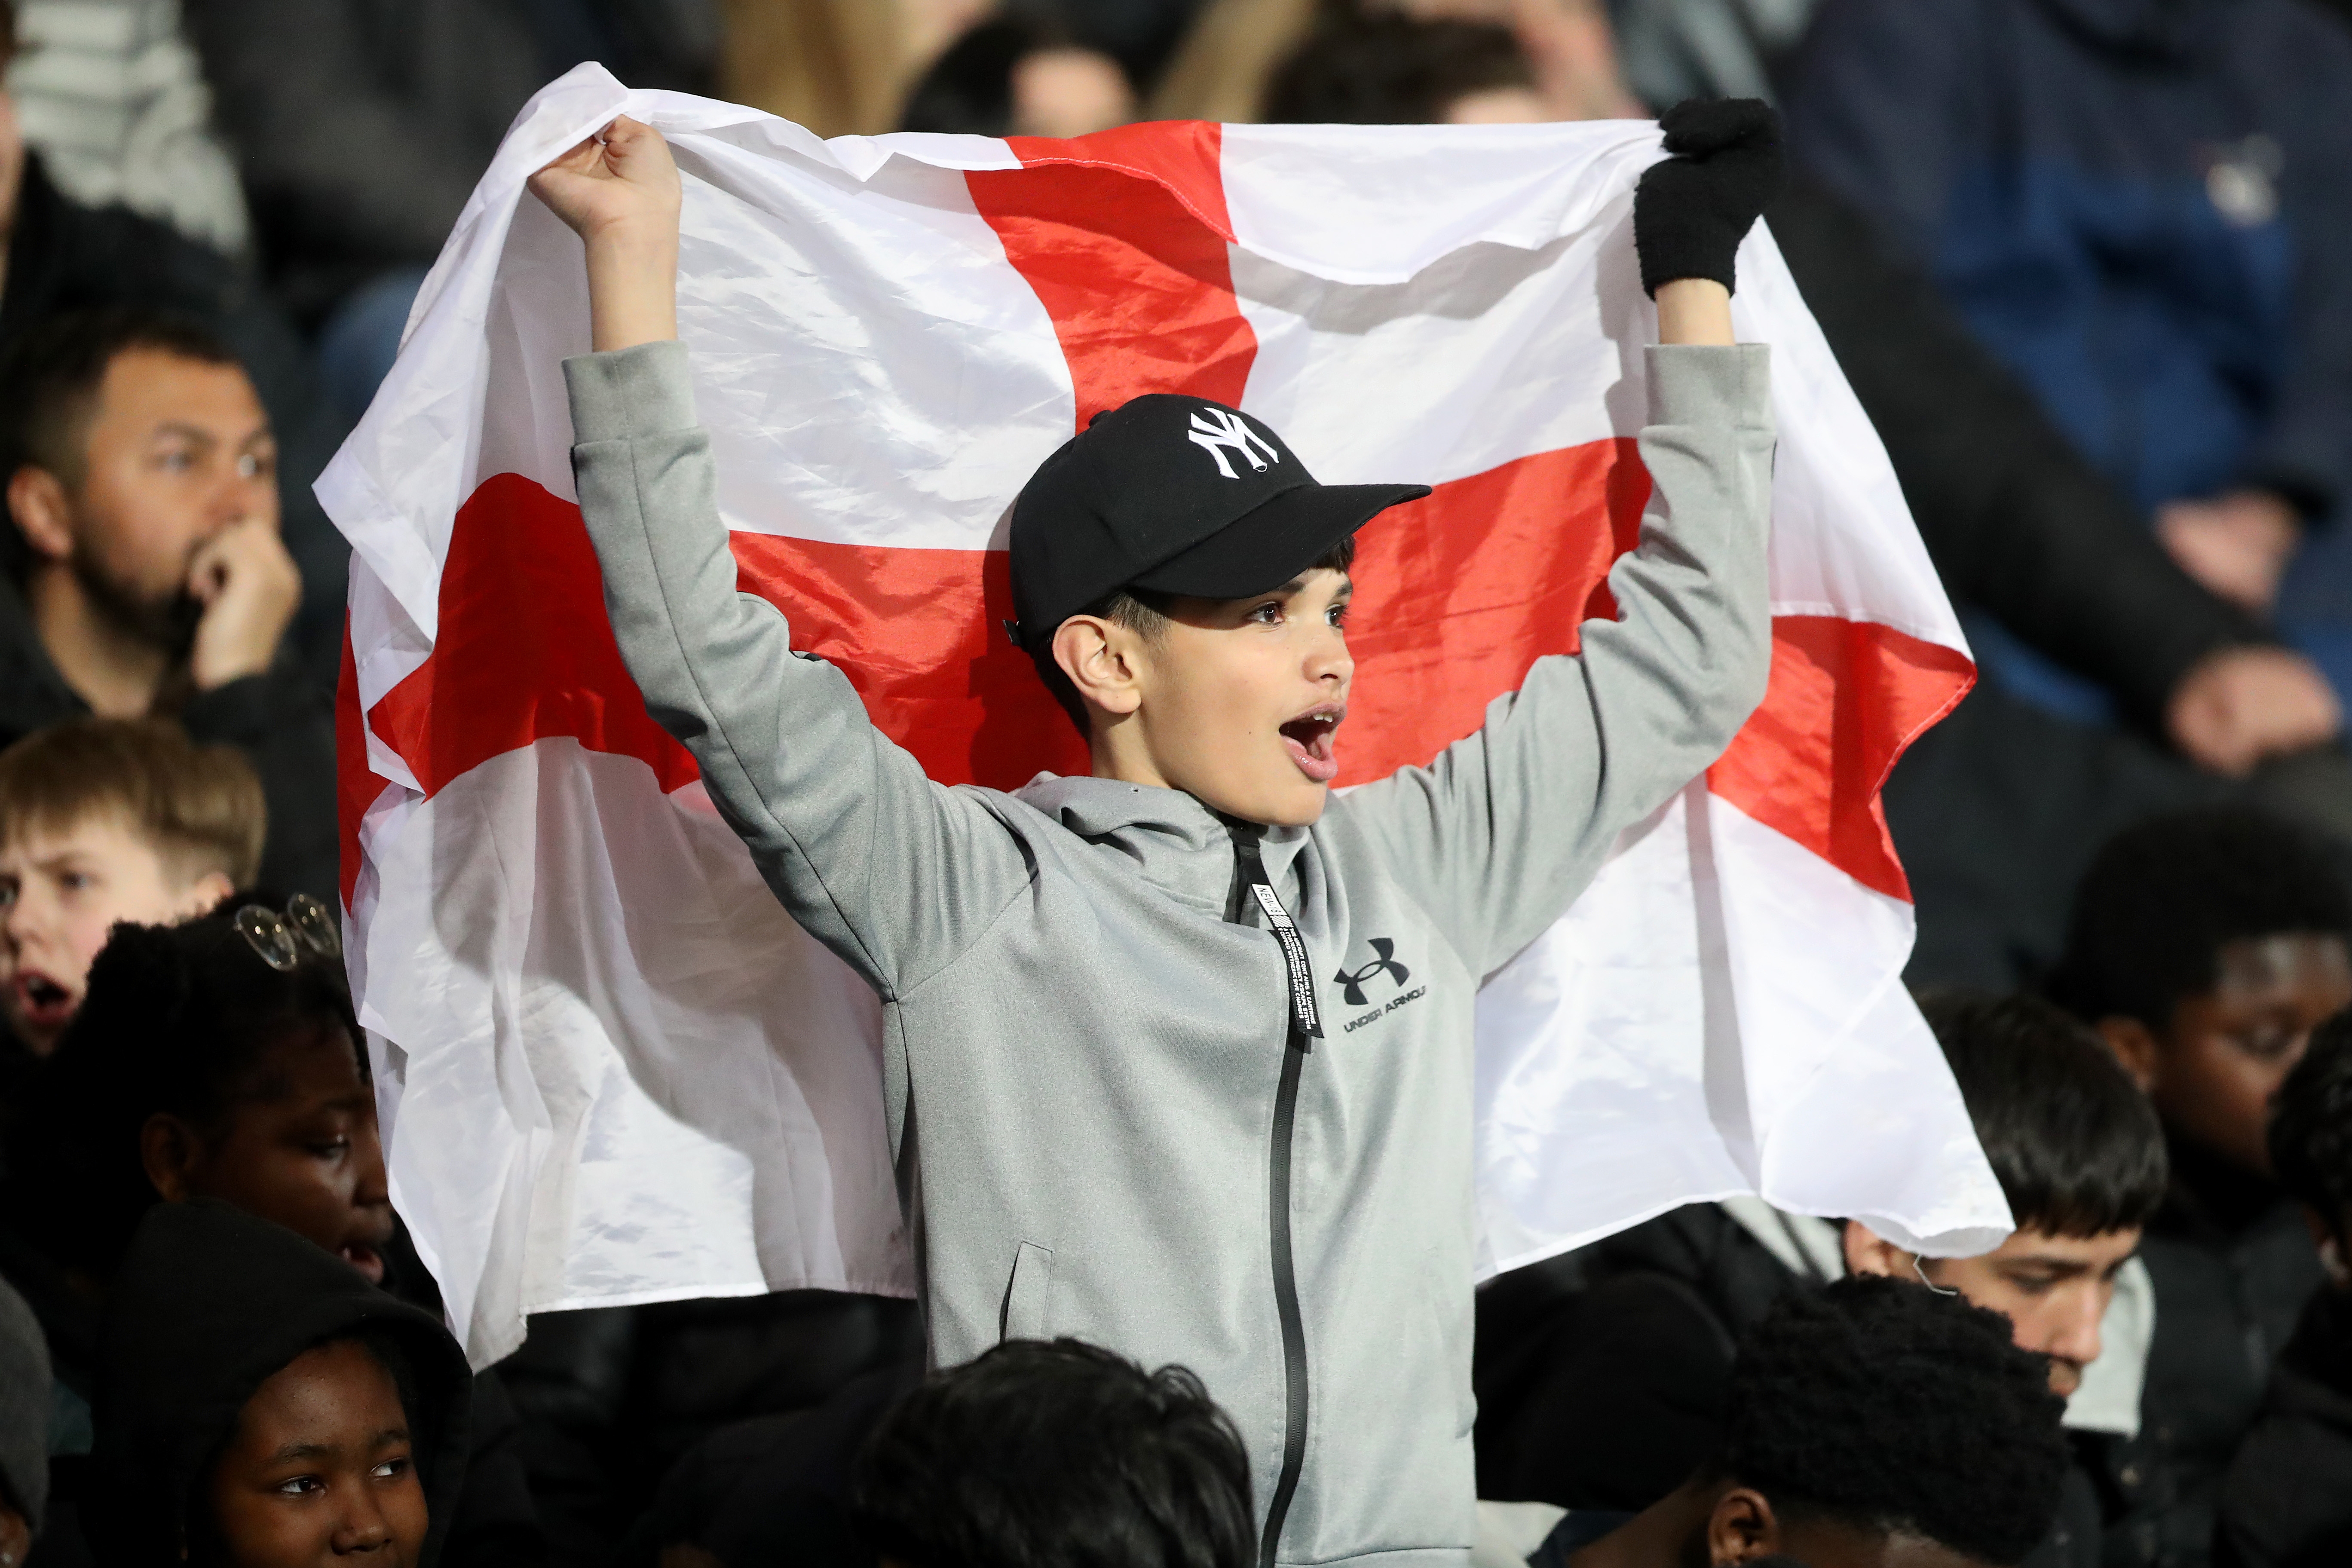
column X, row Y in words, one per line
column 104, row 821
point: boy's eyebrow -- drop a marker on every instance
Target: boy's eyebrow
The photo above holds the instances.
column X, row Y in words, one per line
column 1347, row 588
column 193, row 432
column 389, row 1434
column 2057, row 1265
column 302, row 1451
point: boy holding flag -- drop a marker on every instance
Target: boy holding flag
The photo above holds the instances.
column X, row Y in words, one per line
column 1139, row 1091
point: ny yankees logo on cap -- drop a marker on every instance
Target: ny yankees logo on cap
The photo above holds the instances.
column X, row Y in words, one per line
column 1125, row 504
column 1217, row 430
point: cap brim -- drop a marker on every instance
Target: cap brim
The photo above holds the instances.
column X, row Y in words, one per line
column 1268, row 546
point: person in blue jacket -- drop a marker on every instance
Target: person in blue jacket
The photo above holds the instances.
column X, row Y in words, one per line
column 2139, row 206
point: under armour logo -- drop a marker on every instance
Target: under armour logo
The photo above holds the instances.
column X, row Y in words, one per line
column 1353, row 984
column 1218, row 430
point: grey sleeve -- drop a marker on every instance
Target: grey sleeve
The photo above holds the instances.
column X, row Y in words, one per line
column 1501, row 832
column 895, row 873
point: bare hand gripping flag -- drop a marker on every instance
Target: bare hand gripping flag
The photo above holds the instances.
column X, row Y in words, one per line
column 613, row 1070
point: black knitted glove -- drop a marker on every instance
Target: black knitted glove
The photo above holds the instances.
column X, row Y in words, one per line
column 1691, row 212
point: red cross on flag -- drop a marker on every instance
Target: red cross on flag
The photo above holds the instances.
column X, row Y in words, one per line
column 611, row 1070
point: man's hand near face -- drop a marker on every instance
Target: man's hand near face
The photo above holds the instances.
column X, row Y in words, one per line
column 249, row 588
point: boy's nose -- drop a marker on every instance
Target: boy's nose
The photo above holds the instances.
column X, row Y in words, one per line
column 363, row 1529
column 1332, row 659
column 2077, row 1338
column 372, row 1188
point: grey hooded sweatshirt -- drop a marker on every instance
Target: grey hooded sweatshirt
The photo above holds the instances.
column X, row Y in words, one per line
column 1112, row 1116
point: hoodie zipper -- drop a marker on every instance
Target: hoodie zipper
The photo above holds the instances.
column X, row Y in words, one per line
column 1305, row 1026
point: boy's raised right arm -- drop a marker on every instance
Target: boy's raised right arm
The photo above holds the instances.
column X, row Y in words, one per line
column 894, row 873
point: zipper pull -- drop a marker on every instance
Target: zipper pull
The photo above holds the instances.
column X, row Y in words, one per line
column 1306, row 1023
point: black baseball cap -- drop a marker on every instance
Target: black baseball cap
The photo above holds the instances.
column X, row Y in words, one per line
column 1173, row 495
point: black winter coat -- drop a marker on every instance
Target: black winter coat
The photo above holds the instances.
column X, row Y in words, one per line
column 2233, row 1266
column 2287, row 1501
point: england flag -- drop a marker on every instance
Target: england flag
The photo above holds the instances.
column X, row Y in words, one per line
column 612, row 1070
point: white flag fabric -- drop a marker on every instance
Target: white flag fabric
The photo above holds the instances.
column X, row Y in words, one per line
column 612, row 1070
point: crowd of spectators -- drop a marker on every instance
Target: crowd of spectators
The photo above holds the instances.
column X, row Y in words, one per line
column 2088, row 265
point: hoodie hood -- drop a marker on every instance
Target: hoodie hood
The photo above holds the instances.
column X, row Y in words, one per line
column 1179, row 845
column 209, row 1303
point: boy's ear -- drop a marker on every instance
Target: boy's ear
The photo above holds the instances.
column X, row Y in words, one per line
column 1867, row 1252
column 1741, row 1527
column 1098, row 655
column 2134, row 1044
column 203, row 896
column 167, row 1151
column 43, row 513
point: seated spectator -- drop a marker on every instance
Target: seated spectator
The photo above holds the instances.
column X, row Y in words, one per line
column 1012, row 78
column 2287, row 1500
column 67, row 255
column 1396, row 70
column 430, row 87
column 2080, row 1158
column 1227, row 66
column 24, row 1429
column 219, row 1059
column 261, row 1404
column 2205, row 948
column 1872, row 1421
column 147, row 574
column 2135, row 203
column 1057, row 1453
column 106, row 821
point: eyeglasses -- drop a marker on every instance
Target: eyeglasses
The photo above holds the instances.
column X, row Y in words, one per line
column 281, row 942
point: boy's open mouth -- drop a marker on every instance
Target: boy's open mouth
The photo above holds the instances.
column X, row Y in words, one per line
column 365, row 1259
column 1309, row 740
column 41, row 1001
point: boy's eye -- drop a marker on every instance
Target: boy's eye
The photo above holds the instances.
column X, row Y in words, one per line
column 2265, row 1045
column 302, row 1485
column 1337, row 614
column 390, row 1469
column 335, row 1150
column 1267, row 614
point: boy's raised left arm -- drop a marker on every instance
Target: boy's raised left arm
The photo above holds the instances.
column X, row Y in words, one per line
column 1503, row 829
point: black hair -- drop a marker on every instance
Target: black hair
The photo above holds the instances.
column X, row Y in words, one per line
column 1056, row 1455
column 1147, row 614
column 2076, row 1146
column 178, row 1020
column 2311, row 1124
column 2162, row 899
column 968, row 88
column 1897, row 1408
column 1388, row 69
column 49, row 382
